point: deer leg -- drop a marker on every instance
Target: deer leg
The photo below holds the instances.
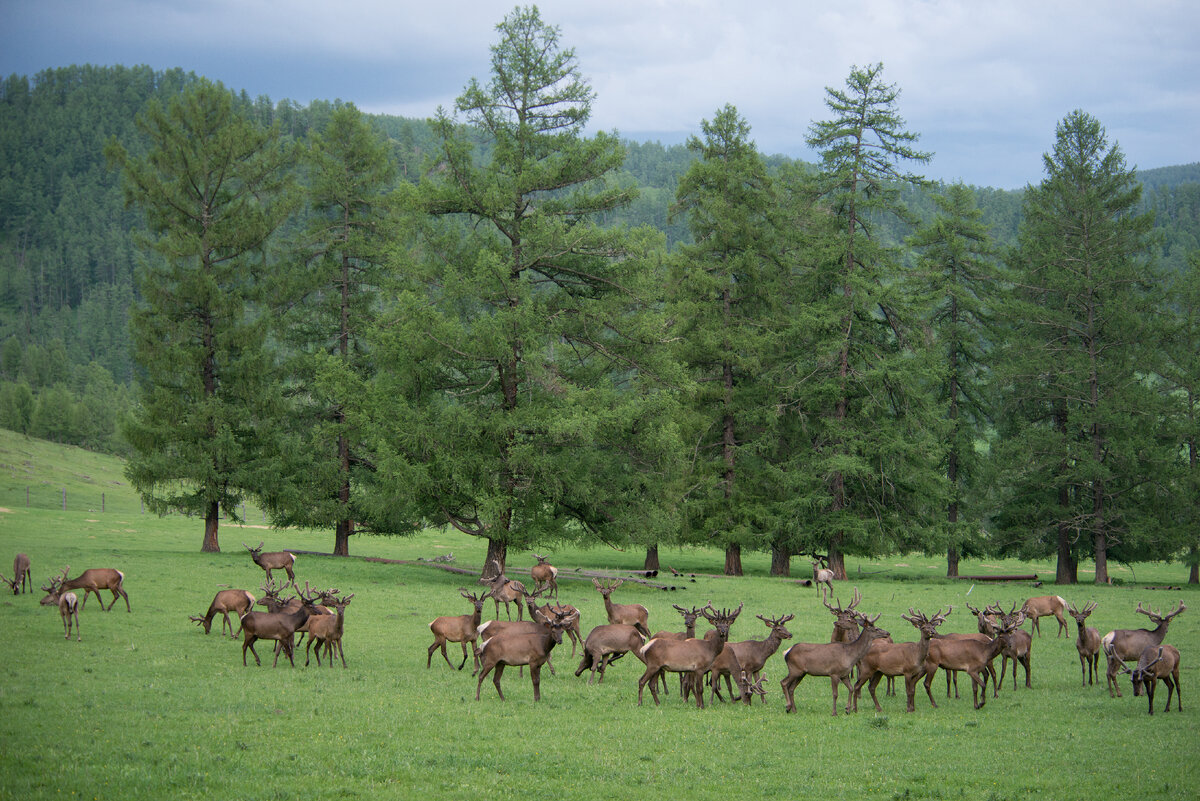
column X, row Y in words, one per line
column 872, row 682
column 979, row 683
column 1025, row 661
column 535, row 675
column 249, row 643
column 341, row 655
column 910, row 691
column 463, row 663
column 482, row 674
column 1150, row 692
column 929, row 674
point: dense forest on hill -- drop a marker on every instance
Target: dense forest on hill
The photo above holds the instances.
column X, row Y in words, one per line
column 69, row 243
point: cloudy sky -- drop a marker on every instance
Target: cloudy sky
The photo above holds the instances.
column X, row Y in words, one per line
column 983, row 83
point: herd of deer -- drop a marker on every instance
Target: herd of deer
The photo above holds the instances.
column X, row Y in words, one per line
column 857, row 645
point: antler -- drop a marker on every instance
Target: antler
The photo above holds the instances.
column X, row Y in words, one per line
column 1178, row 609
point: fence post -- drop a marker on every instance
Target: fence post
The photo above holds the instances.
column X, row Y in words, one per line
column 102, row 502
column 64, row 499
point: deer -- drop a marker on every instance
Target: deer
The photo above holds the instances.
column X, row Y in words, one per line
column 689, row 631
column 21, row 576
column 225, row 601
column 502, row 589
column 984, row 636
column 94, row 580
column 1044, row 606
column 822, row 577
column 516, row 648
column 845, row 628
column 1087, row 644
column 832, row 659
column 1125, row 645
column 327, row 630
column 752, row 655
column 686, row 656
column 545, row 577
column 277, row 626
column 1017, row 646
column 537, row 613
column 1158, row 662
column 605, row 644
column 459, row 628
column 630, row 614
column 969, row 655
column 725, row 665
column 274, row 560
column 67, row 603
column 894, row 659
column 495, row 628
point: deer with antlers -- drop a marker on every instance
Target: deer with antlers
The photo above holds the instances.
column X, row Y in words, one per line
column 1125, row 645
column 545, row 577
column 1087, row 644
column 92, row 581
column 1158, row 662
column 690, row 616
column 634, row 615
column 894, row 659
column 566, row 611
column 67, row 603
column 225, row 601
column 972, row 656
column 274, row 560
column 690, row 656
column 460, row 629
column 327, row 630
column 752, row 655
column 1017, row 646
column 1045, row 606
column 22, row 577
column 278, row 626
column 518, row 648
column 832, row 659
column 504, row 590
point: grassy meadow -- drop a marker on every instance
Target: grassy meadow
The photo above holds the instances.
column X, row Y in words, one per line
column 148, row 707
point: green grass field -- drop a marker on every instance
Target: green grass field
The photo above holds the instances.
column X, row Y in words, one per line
column 148, row 707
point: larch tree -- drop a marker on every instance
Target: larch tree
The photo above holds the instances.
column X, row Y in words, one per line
column 519, row 406
column 214, row 187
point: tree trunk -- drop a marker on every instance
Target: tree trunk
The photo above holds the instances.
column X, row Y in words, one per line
column 781, row 560
column 497, row 552
column 1065, row 572
column 952, row 562
column 341, row 537
column 1101, row 558
column 733, row 560
column 1194, row 574
column 651, row 562
column 211, row 519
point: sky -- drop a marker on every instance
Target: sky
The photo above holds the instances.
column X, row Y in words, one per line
column 983, row 83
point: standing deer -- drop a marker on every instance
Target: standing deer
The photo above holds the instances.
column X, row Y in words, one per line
column 1158, row 662
column 832, row 659
column 225, row 601
column 606, row 643
column 504, row 590
column 969, row 655
column 459, row 628
column 516, row 648
column 94, row 580
column 1125, row 645
column 1088, row 643
column 22, row 578
column 1017, row 645
column 686, row 656
column 690, row 616
column 1044, row 606
column 327, row 630
column 752, row 655
column 630, row 614
column 278, row 626
column 274, row 560
column 893, row 659
column 822, row 577
column 68, row 606
column 545, row 577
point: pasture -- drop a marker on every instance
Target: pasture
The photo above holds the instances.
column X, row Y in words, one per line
column 148, row 707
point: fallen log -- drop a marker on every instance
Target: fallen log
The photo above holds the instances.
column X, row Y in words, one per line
column 1014, row 577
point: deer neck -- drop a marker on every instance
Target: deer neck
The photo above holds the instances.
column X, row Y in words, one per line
column 858, row 648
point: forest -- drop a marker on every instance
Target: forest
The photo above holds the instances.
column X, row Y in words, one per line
column 492, row 321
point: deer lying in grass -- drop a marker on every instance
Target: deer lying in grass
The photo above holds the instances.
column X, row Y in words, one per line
column 894, row 659
column 605, row 644
column 21, row 575
column 278, row 626
column 545, row 577
column 94, row 580
column 515, row 648
column 1158, row 662
column 503, row 590
column 1087, row 644
column 969, row 655
column 1045, row 606
column 460, row 629
column 68, row 606
column 832, row 659
column 686, row 656
column 752, row 655
column 274, row 560
column 1125, row 645
column 630, row 614
column 326, row 630
column 225, row 601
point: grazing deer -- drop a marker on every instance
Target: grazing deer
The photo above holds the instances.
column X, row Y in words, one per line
column 94, row 580
column 686, row 656
column 752, row 655
column 22, row 578
column 1158, row 662
column 515, row 648
column 725, row 665
column 969, row 655
column 459, row 628
column 605, row 644
column 832, row 659
column 327, row 630
column 504, row 590
column 1125, row 645
column 545, row 577
column 225, row 601
column 67, row 603
column 1044, row 606
column 630, row 614
column 278, row 626
column 1088, row 643
column 274, row 560
column 894, row 659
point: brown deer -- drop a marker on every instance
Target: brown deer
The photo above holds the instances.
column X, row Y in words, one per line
column 225, row 601
column 22, row 578
column 1158, row 662
column 326, row 630
column 686, row 656
column 969, row 655
column 630, row 614
column 458, row 628
column 94, row 580
column 690, row 616
column 274, row 560
column 506, row 591
column 67, row 603
column 541, row 613
column 895, row 659
column 605, row 644
column 496, row 628
column 752, row 655
column 725, row 665
column 278, row 626
column 1044, row 606
column 1017, row 645
column 1087, row 644
column 515, row 648
column 832, row 659
column 545, row 577
column 1125, row 645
